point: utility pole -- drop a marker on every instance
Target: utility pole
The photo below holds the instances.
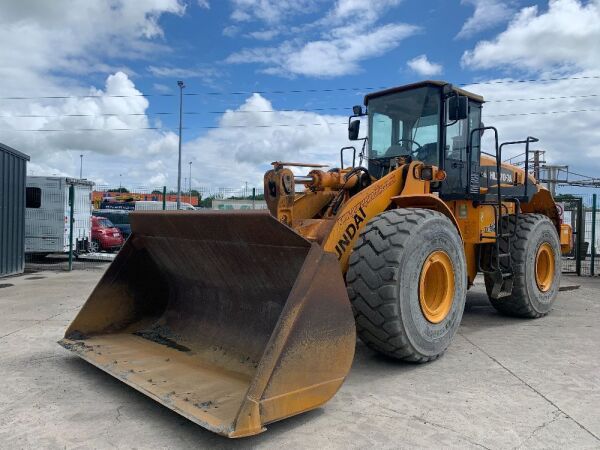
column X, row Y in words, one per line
column 181, row 86
column 552, row 177
column 81, row 167
column 120, row 185
column 538, row 160
column 190, row 182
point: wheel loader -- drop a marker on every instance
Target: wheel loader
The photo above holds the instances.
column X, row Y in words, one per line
column 239, row 319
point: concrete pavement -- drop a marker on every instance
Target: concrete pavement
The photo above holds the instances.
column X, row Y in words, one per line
column 504, row 383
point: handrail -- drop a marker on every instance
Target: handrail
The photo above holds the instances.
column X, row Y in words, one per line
column 527, row 141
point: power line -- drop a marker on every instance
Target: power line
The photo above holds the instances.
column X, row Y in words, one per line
column 542, row 113
column 271, row 125
column 39, row 116
column 196, row 113
column 291, row 91
column 542, row 98
column 84, row 129
column 280, row 125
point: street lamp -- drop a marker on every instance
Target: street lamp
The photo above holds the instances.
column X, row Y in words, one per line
column 181, row 86
column 190, row 182
column 81, row 167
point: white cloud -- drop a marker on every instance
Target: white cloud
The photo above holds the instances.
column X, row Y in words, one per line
column 487, row 14
column 423, row 66
column 162, row 88
column 40, row 40
column 207, row 73
column 566, row 36
column 203, row 4
column 248, row 140
column 46, row 48
column 264, row 35
column 568, row 138
column 271, row 11
column 102, row 111
column 349, row 34
column 360, row 10
column 239, row 151
column 231, row 31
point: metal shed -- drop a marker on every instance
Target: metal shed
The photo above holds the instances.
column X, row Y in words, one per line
column 12, row 210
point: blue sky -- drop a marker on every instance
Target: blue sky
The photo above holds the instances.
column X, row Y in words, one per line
column 200, row 45
column 104, row 48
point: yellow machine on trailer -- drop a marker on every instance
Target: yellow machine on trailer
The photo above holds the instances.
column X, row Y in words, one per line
column 238, row 319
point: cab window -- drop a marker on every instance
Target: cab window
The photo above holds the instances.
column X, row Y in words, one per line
column 405, row 123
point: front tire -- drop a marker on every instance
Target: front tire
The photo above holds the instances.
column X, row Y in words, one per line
column 536, row 261
column 407, row 283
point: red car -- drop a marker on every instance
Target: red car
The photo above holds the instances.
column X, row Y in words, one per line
column 105, row 236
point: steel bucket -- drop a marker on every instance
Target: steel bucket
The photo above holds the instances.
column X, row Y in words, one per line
column 231, row 319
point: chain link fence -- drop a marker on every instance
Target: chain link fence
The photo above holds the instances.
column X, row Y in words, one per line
column 73, row 224
column 580, row 211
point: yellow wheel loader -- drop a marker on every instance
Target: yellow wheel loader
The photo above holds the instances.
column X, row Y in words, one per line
column 238, row 319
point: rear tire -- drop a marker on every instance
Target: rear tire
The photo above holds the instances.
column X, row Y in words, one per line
column 533, row 292
column 387, row 283
column 94, row 246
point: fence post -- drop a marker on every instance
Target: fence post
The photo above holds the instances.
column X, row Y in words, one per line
column 164, row 198
column 71, row 208
column 580, row 237
column 253, row 198
column 592, row 262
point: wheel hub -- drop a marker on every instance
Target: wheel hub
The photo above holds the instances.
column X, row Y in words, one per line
column 544, row 267
column 436, row 286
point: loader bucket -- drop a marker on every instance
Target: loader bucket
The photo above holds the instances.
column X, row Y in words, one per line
column 231, row 319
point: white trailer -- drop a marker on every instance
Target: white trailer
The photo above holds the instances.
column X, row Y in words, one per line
column 143, row 205
column 47, row 215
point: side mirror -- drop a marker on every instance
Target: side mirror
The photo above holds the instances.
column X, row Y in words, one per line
column 457, row 108
column 357, row 110
column 353, row 130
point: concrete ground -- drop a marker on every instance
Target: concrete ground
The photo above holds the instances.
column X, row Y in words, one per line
column 503, row 383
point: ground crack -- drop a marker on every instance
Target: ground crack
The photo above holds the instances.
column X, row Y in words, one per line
column 530, row 387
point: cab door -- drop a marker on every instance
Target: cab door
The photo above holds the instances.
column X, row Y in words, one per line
column 457, row 154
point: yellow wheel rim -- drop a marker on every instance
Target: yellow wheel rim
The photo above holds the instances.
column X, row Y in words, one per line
column 544, row 267
column 436, row 286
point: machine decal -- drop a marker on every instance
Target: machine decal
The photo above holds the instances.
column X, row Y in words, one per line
column 350, row 232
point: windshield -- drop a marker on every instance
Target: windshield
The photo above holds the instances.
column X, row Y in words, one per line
column 105, row 223
column 405, row 123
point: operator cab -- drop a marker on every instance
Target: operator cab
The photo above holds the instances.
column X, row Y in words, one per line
column 429, row 122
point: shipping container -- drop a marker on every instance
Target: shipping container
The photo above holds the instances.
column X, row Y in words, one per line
column 13, row 171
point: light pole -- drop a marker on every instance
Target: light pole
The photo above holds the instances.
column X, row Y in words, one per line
column 181, row 86
column 190, row 182
column 120, row 186
column 81, row 166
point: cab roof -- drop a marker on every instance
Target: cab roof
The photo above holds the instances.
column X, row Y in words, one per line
column 407, row 87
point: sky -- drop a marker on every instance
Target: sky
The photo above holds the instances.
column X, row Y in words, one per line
column 270, row 80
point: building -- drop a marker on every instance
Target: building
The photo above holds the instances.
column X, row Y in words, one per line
column 229, row 203
column 13, row 173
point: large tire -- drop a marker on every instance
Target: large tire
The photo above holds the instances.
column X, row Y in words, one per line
column 528, row 299
column 384, row 283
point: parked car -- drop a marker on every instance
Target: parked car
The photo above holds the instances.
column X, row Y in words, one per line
column 105, row 236
column 120, row 219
